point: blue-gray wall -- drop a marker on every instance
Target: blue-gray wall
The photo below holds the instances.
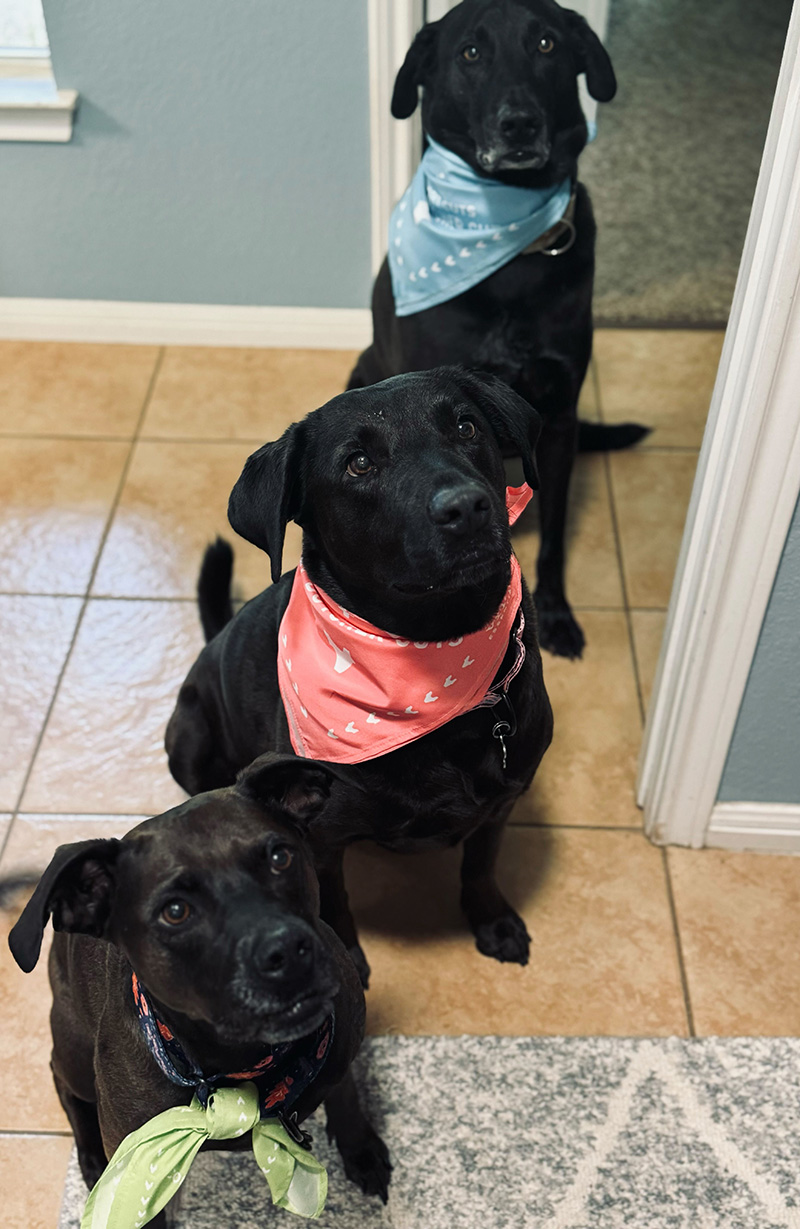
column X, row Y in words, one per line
column 221, row 155
column 764, row 758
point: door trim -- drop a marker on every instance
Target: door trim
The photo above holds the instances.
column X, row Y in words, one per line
column 395, row 145
column 745, row 492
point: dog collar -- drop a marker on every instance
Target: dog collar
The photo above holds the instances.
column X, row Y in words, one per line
column 452, row 228
column 285, row 1071
column 151, row 1163
column 352, row 692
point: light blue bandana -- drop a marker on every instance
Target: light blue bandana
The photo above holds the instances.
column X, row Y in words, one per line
column 452, row 228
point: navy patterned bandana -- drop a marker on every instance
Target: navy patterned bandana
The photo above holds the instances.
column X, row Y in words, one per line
column 284, row 1072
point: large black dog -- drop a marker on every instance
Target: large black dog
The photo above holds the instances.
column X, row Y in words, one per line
column 499, row 81
column 215, row 906
column 400, row 491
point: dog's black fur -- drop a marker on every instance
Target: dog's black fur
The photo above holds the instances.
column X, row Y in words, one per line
column 251, row 965
column 513, row 114
column 378, row 545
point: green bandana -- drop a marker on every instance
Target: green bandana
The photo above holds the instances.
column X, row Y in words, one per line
column 151, row 1163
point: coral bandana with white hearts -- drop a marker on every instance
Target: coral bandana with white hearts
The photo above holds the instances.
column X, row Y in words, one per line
column 452, row 228
column 352, row 692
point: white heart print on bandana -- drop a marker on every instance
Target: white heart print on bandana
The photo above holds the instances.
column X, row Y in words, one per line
column 352, row 692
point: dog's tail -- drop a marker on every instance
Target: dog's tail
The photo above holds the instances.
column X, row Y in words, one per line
column 214, row 588
column 609, row 437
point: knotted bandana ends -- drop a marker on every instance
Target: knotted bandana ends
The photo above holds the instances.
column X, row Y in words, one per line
column 151, row 1164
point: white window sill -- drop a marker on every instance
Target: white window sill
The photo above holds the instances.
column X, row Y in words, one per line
column 38, row 121
column 31, row 108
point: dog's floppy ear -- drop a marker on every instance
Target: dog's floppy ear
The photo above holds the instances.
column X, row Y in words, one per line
column 591, row 58
column 297, row 787
column 413, row 71
column 267, row 495
column 514, row 421
column 77, row 889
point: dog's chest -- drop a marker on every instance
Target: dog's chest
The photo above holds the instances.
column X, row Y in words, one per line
column 436, row 791
column 533, row 307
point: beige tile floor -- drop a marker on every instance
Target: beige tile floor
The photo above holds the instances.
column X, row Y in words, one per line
column 115, row 467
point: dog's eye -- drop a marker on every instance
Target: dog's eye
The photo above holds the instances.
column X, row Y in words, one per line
column 359, row 464
column 470, row 54
column 545, row 44
column 280, row 858
column 466, row 429
column 175, row 912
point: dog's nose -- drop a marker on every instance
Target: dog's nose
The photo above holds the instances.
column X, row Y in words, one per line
column 518, row 127
column 285, row 952
column 461, row 510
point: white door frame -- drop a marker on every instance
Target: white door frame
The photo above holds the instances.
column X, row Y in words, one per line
column 395, row 145
column 745, row 491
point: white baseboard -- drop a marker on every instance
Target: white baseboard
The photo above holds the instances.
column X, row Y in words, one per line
column 184, row 324
column 769, row 827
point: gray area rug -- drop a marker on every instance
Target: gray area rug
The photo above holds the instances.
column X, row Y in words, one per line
column 548, row 1133
column 674, row 168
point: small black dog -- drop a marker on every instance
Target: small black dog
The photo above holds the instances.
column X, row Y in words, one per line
column 400, row 491
column 499, row 84
column 215, row 907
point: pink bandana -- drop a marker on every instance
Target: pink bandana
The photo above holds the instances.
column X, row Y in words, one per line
column 352, row 692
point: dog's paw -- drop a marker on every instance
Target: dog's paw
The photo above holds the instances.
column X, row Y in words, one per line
column 358, row 958
column 559, row 631
column 368, row 1165
column 505, row 939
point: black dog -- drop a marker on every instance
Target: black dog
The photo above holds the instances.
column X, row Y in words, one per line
column 400, row 491
column 215, row 907
column 499, row 82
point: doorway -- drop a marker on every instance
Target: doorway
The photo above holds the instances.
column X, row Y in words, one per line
column 670, row 245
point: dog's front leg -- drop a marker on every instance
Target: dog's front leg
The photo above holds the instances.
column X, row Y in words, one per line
column 335, row 907
column 83, row 1119
column 559, row 631
column 499, row 931
column 365, row 1155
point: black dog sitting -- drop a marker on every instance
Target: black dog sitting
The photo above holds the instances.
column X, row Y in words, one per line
column 210, row 916
column 500, row 92
column 401, row 493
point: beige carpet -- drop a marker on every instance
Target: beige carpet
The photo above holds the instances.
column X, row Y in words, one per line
column 674, row 167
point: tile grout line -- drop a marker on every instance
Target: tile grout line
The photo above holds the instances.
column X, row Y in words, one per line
column 623, row 582
column 248, row 440
column 54, row 436
column 676, row 934
column 618, row 548
column 33, row 1133
column 544, row 827
column 100, row 597
column 86, row 597
column 687, row 1002
column 191, row 597
column 676, row 930
column 136, row 815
